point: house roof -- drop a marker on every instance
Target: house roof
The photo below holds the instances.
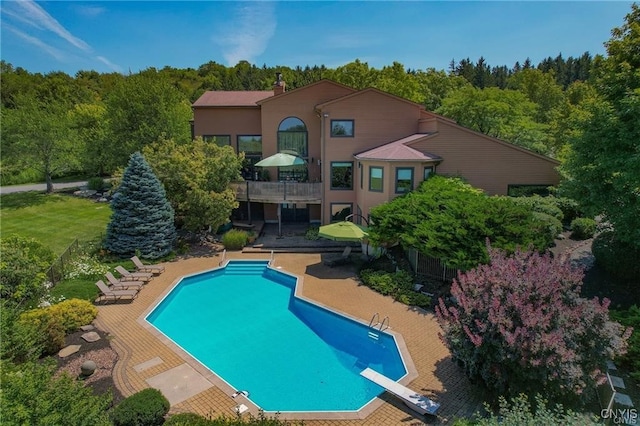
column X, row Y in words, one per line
column 399, row 151
column 238, row 98
column 367, row 90
column 306, row 87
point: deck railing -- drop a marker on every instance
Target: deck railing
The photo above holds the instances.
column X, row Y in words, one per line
column 278, row 192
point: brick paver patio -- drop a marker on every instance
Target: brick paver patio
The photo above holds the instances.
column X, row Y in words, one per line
column 143, row 354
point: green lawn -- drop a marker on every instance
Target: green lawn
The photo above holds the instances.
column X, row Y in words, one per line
column 55, row 219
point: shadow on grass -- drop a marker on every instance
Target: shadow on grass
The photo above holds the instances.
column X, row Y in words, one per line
column 27, row 199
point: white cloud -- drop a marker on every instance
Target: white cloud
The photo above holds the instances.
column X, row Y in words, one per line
column 37, row 42
column 42, row 19
column 110, row 64
column 248, row 34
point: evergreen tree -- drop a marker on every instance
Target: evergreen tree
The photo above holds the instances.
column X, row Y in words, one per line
column 142, row 217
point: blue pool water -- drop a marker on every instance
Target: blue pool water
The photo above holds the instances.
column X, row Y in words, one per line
column 244, row 323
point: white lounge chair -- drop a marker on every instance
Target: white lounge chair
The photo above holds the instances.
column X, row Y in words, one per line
column 341, row 260
column 117, row 284
column 134, row 276
column 412, row 399
column 111, row 294
column 141, row 267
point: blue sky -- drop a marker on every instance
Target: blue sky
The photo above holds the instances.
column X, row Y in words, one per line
column 123, row 36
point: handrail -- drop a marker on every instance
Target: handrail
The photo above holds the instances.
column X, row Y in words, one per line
column 373, row 318
column 224, row 254
column 271, row 260
column 382, row 323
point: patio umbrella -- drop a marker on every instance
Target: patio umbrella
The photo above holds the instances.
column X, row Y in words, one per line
column 280, row 159
column 343, row 231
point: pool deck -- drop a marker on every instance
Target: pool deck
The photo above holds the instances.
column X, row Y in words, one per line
column 147, row 359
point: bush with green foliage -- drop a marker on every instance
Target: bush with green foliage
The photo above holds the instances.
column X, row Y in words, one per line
column 520, row 412
column 235, row 239
column 145, row 408
column 540, row 204
column 21, row 341
column 33, row 395
column 56, row 321
column 312, row 234
column 630, row 360
column 191, row 419
column 519, row 323
column 583, row 228
column 569, row 207
column 397, row 284
column 85, row 266
column 96, row 183
column 22, row 270
column 617, row 257
column 447, row 219
column 142, row 217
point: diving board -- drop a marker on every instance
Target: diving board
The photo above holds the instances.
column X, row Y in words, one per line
column 412, row 399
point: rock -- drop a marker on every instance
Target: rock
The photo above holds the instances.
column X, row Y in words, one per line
column 69, row 350
column 91, row 336
column 87, row 327
column 87, row 368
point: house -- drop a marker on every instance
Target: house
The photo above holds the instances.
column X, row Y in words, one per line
column 361, row 148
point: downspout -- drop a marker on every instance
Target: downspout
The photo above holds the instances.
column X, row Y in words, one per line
column 322, row 165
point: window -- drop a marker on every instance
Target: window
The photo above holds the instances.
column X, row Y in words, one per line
column 252, row 148
column 342, row 128
column 220, row 140
column 428, row 171
column 375, row 179
column 292, row 139
column 340, row 211
column 404, row 180
column 342, row 175
column 250, row 145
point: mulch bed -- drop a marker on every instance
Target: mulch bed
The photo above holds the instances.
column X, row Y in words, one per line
column 101, row 352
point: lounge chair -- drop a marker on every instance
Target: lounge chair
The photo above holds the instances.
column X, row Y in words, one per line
column 412, row 399
column 341, row 260
column 115, row 295
column 117, row 284
column 140, row 267
column 134, row 276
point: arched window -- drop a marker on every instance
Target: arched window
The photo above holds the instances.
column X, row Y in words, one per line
column 293, row 139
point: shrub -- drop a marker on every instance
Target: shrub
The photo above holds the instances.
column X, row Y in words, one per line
column 617, row 257
column 96, row 183
column 519, row 412
column 145, row 408
column 312, row 234
column 24, row 261
column 74, row 313
column 187, row 419
column 569, row 207
column 32, row 395
column 546, row 205
column 21, row 341
column 234, row 239
column 631, row 360
column 583, row 228
column 191, row 419
column 548, row 226
column 519, row 323
column 398, row 284
column 53, row 332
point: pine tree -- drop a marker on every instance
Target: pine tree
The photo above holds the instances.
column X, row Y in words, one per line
column 142, row 217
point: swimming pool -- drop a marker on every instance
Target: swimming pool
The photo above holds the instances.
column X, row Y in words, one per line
column 245, row 324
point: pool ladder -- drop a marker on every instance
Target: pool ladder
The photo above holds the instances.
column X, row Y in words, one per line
column 224, row 254
column 378, row 326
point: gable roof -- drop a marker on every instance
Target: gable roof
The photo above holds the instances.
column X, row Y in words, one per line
column 399, row 151
column 307, row 86
column 368, row 90
column 236, row 98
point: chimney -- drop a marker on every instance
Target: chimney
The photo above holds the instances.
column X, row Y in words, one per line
column 278, row 85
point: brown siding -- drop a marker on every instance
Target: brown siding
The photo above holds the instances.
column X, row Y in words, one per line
column 486, row 163
column 227, row 121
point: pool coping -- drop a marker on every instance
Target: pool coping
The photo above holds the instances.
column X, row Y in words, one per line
column 226, row 388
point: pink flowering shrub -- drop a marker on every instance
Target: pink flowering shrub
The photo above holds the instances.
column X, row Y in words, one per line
column 519, row 324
